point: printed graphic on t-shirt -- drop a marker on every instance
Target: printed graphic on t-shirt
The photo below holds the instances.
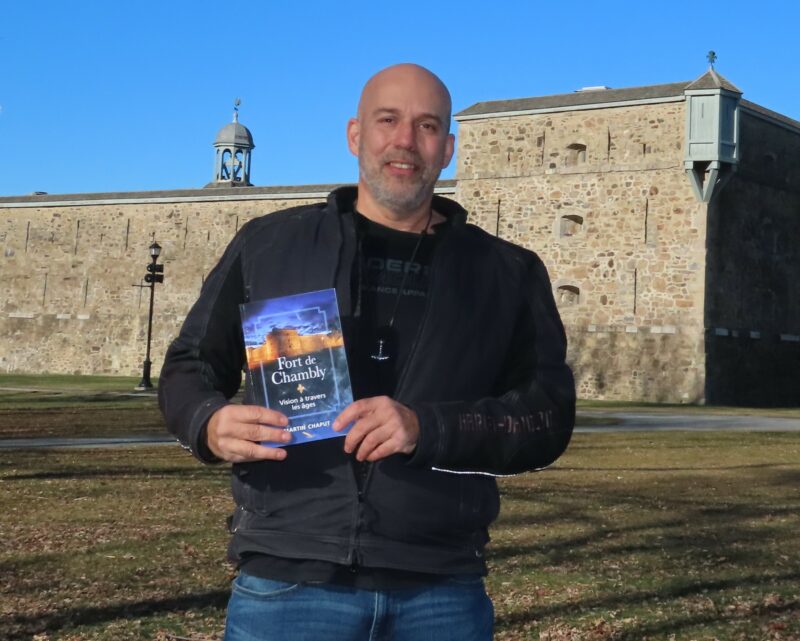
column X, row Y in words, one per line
column 385, row 276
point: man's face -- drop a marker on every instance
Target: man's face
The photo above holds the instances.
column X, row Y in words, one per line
column 401, row 138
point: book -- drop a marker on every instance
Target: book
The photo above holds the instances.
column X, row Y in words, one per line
column 296, row 362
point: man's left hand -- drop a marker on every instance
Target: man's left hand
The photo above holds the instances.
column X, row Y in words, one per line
column 381, row 427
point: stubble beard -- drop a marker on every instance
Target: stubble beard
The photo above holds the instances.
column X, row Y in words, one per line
column 400, row 195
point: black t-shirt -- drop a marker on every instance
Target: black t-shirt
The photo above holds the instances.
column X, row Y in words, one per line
column 386, row 319
column 390, row 286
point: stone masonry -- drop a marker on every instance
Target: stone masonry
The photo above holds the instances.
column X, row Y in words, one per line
column 618, row 228
column 70, row 300
column 665, row 297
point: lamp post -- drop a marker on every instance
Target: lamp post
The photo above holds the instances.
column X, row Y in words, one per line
column 155, row 274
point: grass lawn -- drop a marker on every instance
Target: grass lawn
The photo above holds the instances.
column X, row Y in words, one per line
column 70, row 382
column 672, row 408
column 42, row 414
column 673, row 536
column 78, row 406
column 106, row 406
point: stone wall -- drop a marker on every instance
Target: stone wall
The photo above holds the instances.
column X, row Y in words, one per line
column 616, row 139
column 69, row 300
column 600, row 194
column 753, row 271
column 602, row 197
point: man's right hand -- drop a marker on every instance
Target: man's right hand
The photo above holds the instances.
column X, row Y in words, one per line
column 234, row 433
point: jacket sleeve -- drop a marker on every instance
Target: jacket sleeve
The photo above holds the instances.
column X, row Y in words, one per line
column 203, row 366
column 527, row 422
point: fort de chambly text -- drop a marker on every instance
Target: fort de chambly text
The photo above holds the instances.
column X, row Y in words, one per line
column 292, row 370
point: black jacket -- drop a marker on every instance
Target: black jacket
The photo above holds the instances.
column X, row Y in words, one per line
column 486, row 377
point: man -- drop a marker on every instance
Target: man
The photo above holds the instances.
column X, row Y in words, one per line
column 456, row 355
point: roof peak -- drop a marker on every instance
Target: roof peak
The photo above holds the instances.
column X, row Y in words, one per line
column 712, row 80
column 235, row 133
column 578, row 99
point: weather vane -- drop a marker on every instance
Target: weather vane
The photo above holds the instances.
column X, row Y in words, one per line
column 236, row 103
column 712, row 58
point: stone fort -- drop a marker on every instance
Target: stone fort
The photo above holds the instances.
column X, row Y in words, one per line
column 668, row 217
column 289, row 343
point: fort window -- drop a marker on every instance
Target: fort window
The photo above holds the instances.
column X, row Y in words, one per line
column 225, row 166
column 570, row 225
column 568, row 295
column 576, row 154
column 238, row 164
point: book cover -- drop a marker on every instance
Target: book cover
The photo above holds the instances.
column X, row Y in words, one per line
column 296, row 361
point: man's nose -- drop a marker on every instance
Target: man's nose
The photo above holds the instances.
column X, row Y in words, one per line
column 405, row 136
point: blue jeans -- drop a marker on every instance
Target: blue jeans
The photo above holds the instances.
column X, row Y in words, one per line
column 457, row 609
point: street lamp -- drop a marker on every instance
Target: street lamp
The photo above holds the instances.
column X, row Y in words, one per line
column 155, row 274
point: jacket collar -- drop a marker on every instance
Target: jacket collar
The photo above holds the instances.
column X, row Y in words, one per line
column 341, row 200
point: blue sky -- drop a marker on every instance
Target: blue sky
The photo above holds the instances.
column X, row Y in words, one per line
column 100, row 96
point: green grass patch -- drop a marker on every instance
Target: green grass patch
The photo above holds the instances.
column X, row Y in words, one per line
column 106, row 414
column 76, row 406
column 676, row 408
column 64, row 408
column 658, row 536
column 71, row 382
column 49, row 405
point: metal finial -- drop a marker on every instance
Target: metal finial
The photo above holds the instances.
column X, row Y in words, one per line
column 236, row 103
column 712, row 58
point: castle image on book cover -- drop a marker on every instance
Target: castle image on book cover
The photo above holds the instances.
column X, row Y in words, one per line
column 296, row 361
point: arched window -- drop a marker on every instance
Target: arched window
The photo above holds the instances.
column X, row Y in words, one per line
column 576, row 154
column 225, row 166
column 567, row 295
column 569, row 225
column 238, row 165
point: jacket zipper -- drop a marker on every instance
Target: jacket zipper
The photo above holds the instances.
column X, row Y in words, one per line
column 353, row 557
column 348, row 243
column 422, row 326
column 404, row 374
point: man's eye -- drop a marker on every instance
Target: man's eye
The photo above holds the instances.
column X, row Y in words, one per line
column 428, row 126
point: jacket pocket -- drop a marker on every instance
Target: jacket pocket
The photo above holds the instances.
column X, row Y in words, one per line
column 479, row 502
column 426, row 506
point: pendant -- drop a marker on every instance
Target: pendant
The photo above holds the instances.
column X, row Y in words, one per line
column 384, row 344
column 382, row 351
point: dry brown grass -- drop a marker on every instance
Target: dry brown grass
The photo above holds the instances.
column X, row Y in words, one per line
column 642, row 536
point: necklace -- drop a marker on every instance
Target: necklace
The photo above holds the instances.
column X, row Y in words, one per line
column 383, row 351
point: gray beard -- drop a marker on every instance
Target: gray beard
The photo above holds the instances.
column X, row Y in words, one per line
column 407, row 200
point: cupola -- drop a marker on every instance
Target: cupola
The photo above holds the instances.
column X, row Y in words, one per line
column 233, row 145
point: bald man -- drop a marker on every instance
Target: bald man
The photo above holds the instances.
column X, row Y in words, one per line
column 456, row 357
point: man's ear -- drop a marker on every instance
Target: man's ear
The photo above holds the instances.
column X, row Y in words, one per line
column 353, row 135
column 449, row 149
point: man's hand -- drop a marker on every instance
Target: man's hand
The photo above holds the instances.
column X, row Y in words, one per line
column 235, row 431
column 382, row 427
